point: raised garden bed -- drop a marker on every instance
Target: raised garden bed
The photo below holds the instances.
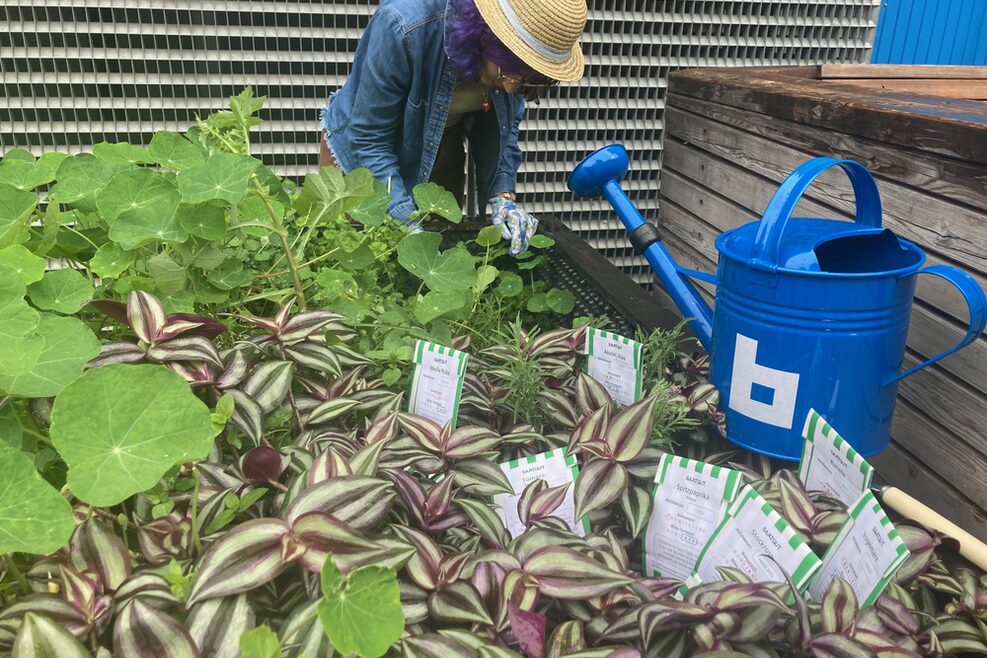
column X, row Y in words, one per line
column 207, row 449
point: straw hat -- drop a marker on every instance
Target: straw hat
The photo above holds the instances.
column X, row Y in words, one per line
column 544, row 34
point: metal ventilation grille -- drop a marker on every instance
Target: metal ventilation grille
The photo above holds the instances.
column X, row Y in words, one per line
column 77, row 72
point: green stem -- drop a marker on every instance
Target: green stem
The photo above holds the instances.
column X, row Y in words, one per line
column 196, row 540
column 8, row 559
column 292, row 266
column 81, row 235
column 324, row 256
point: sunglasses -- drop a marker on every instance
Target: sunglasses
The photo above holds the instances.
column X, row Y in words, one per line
column 520, row 81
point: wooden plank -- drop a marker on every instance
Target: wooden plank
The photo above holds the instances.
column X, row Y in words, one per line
column 936, row 416
column 954, row 128
column 954, row 179
column 946, row 227
column 899, row 468
column 975, row 90
column 901, row 71
column 752, row 192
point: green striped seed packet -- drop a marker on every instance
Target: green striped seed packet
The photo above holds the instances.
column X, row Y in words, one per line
column 437, row 385
column 866, row 553
column 556, row 468
column 615, row 362
column 830, row 464
column 690, row 499
column 750, row 531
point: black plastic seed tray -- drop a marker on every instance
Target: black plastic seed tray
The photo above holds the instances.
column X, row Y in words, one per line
column 600, row 288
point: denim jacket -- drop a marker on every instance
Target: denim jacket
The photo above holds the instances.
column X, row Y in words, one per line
column 390, row 113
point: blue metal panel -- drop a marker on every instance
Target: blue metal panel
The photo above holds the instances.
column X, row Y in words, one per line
column 932, row 32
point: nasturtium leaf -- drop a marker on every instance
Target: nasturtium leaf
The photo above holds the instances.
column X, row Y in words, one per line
column 454, row 269
column 207, row 258
column 537, row 303
column 260, row 642
column 16, row 207
column 229, row 275
column 435, row 304
column 203, row 220
column 140, row 205
column 111, row 260
column 357, row 259
column 121, row 427
column 28, row 175
column 510, row 285
column 68, row 346
column 79, row 177
column 22, row 263
column 372, row 211
column 560, row 300
column 432, row 199
column 65, row 291
column 172, row 150
column 11, row 430
column 361, row 612
column 34, row 517
column 540, row 241
column 485, row 275
column 18, row 154
column 390, row 376
column 489, row 236
column 222, row 176
column 334, row 284
column 17, row 318
column 169, row 277
column 328, row 192
column 121, row 153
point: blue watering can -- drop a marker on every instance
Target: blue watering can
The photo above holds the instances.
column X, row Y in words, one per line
column 810, row 313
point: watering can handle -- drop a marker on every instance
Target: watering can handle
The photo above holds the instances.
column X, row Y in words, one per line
column 976, row 301
column 767, row 241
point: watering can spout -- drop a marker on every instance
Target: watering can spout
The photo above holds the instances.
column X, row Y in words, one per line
column 599, row 175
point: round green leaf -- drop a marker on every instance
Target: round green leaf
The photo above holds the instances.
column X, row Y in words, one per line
column 79, row 177
column 169, row 277
column 172, row 150
column 489, row 236
column 121, row 153
column 510, row 284
column 362, row 612
column 68, row 346
column 26, row 175
column 140, row 205
column 485, row 275
column 20, row 355
column 34, row 518
column 334, row 284
column 229, row 275
column 121, row 427
column 540, row 241
column 560, row 301
column 203, row 220
column 20, row 154
column 537, row 303
column 23, row 263
column 436, row 304
column 111, row 260
column 222, row 176
column 64, row 291
column 432, row 199
column 16, row 207
column 454, row 269
column 357, row 259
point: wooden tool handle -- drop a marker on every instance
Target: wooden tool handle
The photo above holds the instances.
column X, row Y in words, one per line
column 971, row 548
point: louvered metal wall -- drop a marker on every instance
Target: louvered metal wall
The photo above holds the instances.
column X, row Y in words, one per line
column 77, row 72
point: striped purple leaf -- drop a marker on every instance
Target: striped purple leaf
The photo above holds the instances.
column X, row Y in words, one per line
column 119, row 352
column 146, row 315
column 185, row 348
column 95, row 547
column 361, row 501
column 141, row 631
column 40, row 637
column 629, row 430
column 568, row 574
column 269, row 383
column 599, row 483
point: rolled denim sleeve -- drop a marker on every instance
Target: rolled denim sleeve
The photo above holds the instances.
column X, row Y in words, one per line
column 383, row 93
column 511, row 155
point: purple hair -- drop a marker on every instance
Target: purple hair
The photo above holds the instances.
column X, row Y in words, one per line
column 469, row 41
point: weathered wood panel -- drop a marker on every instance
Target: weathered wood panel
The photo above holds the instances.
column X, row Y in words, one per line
column 732, row 137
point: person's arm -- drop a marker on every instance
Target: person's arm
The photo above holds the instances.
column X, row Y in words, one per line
column 383, row 94
column 505, row 180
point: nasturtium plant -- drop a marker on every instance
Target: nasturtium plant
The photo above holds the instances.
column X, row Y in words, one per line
column 432, row 199
column 34, row 517
column 64, row 290
column 361, row 611
column 16, row 207
column 260, row 642
column 140, row 206
column 22, row 263
column 453, row 269
column 121, row 427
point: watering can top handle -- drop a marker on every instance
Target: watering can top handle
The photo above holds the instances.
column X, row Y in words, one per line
column 767, row 241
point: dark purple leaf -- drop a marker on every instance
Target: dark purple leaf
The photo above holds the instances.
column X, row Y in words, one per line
column 528, row 629
column 262, row 464
column 192, row 325
column 113, row 309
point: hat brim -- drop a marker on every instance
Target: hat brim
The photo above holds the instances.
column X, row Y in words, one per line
column 568, row 70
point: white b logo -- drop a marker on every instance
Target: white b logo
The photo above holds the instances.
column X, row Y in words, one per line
column 747, row 372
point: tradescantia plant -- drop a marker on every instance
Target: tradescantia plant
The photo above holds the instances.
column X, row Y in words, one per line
column 202, row 401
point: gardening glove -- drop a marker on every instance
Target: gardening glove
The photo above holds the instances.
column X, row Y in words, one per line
column 515, row 224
